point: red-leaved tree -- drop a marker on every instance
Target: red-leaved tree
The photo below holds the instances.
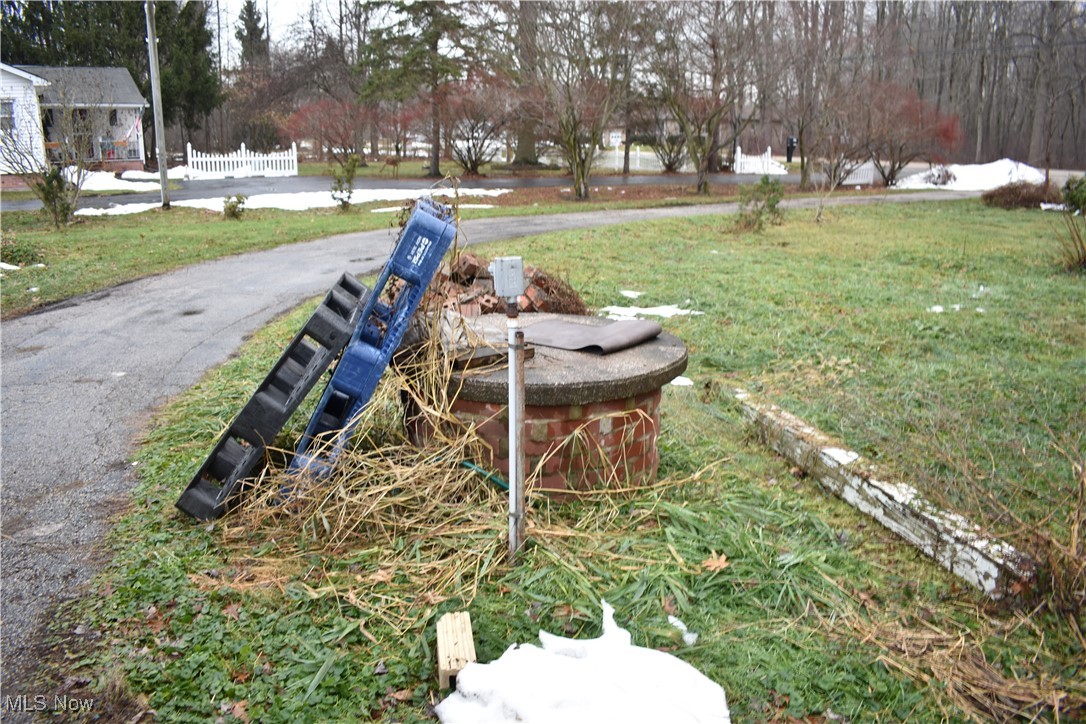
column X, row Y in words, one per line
column 337, row 127
column 478, row 111
column 902, row 128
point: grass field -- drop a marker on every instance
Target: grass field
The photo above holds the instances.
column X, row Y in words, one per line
column 804, row 609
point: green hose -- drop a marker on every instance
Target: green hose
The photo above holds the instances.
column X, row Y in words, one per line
column 492, row 478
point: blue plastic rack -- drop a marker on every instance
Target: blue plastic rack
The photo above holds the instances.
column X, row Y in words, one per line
column 423, row 242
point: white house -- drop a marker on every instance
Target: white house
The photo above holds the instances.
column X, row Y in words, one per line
column 96, row 112
column 20, row 118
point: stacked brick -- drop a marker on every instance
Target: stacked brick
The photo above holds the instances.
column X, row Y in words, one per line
column 466, row 286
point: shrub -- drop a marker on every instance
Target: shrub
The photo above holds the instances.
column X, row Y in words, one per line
column 759, row 204
column 1074, row 194
column 19, row 252
column 56, row 195
column 233, row 207
column 1021, row 195
column 343, row 181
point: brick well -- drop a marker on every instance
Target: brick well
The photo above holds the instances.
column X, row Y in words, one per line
column 575, row 447
column 591, row 421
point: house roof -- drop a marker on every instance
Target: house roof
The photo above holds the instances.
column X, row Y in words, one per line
column 34, row 79
column 81, row 87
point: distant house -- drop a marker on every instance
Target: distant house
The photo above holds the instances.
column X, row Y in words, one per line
column 20, row 118
column 102, row 107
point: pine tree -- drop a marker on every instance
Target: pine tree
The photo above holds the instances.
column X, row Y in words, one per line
column 113, row 34
column 253, row 37
column 414, row 55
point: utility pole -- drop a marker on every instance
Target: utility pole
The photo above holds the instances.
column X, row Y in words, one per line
column 156, row 98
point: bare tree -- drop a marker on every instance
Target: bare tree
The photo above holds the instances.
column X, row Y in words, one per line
column 72, row 129
column 1011, row 71
column 479, row 110
column 651, row 122
column 702, row 68
column 579, row 77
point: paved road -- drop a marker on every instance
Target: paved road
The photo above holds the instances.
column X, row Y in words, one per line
column 81, row 379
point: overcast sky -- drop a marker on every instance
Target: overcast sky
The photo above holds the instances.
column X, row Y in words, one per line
column 282, row 14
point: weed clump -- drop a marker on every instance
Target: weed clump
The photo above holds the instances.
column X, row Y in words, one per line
column 1021, row 195
column 760, row 204
column 1073, row 242
column 19, row 251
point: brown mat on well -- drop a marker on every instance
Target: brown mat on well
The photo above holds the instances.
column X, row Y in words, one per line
column 600, row 339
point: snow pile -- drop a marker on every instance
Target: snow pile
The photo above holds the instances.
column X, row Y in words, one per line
column 595, row 680
column 177, row 173
column 106, row 181
column 979, row 177
column 395, row 209
column 292, row 202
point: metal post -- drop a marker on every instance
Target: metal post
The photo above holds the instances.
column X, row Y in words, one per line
column 516, row 435
column 508, row 275
column 156, row 98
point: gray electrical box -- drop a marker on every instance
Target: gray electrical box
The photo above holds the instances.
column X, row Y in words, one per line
column 508, row 273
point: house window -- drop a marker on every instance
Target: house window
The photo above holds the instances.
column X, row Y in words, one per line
column 7, row 116
column 113, row 118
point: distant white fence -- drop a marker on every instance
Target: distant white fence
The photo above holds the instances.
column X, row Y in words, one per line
column 763, row 165
column 863, row 175
column 243, row 162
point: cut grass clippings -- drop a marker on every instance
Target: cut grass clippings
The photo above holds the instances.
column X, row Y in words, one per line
column 804, row 608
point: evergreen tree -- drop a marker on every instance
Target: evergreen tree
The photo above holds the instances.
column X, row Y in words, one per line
column 253, row 36
column 418, row 53
column 113, row 34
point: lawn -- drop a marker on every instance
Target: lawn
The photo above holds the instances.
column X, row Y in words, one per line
column 804, row 609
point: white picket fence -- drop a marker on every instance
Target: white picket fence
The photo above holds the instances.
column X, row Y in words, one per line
column 242, row 162
column 763, row 165
column 863, row 175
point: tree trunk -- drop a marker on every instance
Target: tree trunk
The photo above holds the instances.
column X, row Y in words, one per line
column 526, row 139
column 527, row 24
column 580, row 179
column 435, row 138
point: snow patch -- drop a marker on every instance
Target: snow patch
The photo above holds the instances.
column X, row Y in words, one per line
column 300, row 201
column 393, row 209
column 977, row 177
column 841, row 456
column 177, row 173
column 629, row 294
column 689, row 637
column 668, row 311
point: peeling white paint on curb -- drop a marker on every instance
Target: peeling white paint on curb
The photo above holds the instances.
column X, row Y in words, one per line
column 954, row 542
